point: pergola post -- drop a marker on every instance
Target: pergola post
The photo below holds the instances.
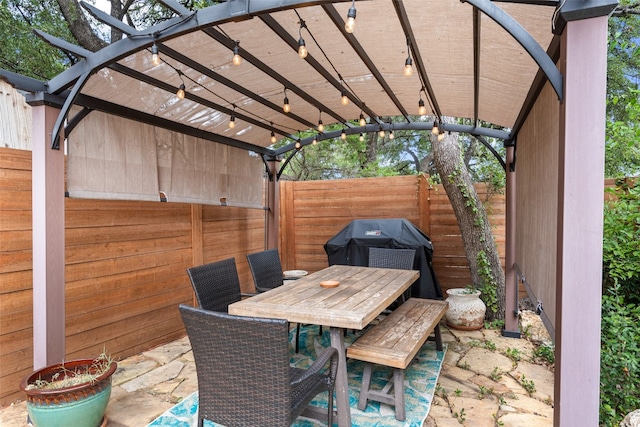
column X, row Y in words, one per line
column 48, row 239
column 580, row 208
column 511, row 328
column 272, row 207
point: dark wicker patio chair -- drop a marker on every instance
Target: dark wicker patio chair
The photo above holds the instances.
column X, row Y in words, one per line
column 216, row 284
column 266, row 269
column 244, row 377
column 401, row 259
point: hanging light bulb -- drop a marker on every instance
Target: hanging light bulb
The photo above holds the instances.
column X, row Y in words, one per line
column 345, row 98
column 232, row 121
column 273, row 137
column 298, row 145
column 286, row 107
column 155, row 55
column 361, row 138
column 343, row 135
column 408, row 67
column 381, row 133
column 391, row 135
column 440, row 136
column 362, row 122
column 315, row 140
column 350, row 25
column 435, row 130
column 422, row 110
column 237, row 59
column 320, row 125
column 302, row 49
column 181, row 91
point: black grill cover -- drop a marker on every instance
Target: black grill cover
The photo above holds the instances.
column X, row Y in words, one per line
column 351, row 247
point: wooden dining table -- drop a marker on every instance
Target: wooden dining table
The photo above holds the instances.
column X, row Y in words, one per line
column 361, row 295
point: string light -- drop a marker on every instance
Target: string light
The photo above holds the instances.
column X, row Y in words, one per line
column 302, row 47
column 361, row 138
column 286, row 107
column 232, row 119
column 181, row 90
column 320, row 125
column 435, row 129
column 343, row 135
column 344, row 99
column 298, row 145
column 391, row 135
column 422, row 110
column 315, row 140
column 408, row 63
column 350, row 25
column 362, row 122
column 273, row 137
column 381, row 132
column 237, row 59
column 440, row 136
column 155, row 55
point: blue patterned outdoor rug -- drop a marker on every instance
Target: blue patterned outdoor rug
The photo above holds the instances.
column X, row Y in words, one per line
column 419, row 382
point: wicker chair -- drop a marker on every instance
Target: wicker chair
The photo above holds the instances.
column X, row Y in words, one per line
column 216, row 284
column 401, row 259
column 266, row 270
column 244, row 377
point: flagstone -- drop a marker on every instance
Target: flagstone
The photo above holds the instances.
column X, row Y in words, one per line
column 541, row 377
column 525, row 420
column 150, row 379
column 484, row 361
column 168, row 352
column 530, row 405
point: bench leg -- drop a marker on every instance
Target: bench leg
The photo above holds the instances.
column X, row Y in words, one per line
column 398, row 392
column 364, row 388
column 438, row 337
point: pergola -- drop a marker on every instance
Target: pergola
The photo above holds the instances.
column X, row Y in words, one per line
column 532, row 73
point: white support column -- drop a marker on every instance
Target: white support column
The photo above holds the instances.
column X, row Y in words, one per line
column 48, row 240
column 580, row 204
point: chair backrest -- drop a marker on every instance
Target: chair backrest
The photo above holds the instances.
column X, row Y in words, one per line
column 266, row 269
column 216, row 284
column 401, row 259
column 242, row 365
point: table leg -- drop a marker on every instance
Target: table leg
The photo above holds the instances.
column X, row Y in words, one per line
column 342, row 386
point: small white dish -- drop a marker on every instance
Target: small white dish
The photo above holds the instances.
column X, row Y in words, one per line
column 295, row 273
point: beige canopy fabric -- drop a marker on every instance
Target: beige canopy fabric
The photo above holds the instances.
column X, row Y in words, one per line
column 466, row 65
column 128, row 160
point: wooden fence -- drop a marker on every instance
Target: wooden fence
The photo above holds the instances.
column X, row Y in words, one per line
column 314, row 211
column 126, row 261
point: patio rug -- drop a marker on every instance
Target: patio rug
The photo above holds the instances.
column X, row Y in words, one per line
column 420, row 382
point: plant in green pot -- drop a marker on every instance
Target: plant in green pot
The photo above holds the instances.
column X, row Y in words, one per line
column 72, row 393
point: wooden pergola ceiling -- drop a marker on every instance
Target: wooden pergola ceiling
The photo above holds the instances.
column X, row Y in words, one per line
column 478, row 60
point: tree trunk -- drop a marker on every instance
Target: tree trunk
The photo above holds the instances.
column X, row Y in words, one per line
column 79, row 25
column 479, row 245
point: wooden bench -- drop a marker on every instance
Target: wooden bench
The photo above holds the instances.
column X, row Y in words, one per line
column 394, row 342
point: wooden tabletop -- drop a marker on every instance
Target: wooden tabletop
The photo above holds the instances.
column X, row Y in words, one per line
column 363, row 293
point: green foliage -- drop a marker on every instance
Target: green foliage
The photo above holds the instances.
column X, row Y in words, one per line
column 545, row 352
column 489, row 285
column 21, row 51
column 622, row 156
column 528, row 385
column 620, row 358
column 621, row 251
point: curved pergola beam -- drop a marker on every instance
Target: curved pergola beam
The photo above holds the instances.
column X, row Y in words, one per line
column 526, row 41
column 415, row 126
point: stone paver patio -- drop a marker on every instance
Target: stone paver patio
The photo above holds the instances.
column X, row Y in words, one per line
column 482, row 382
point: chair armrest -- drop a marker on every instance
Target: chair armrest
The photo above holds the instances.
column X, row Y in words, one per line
column 330, row 354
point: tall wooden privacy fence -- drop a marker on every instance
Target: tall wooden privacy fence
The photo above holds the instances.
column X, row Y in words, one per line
column 126, row 261
column 314, row 211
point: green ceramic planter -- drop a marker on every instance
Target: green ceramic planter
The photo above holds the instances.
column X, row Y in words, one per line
column 80, row 405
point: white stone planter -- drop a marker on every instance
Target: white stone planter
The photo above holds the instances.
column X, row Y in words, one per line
column 466, row 310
